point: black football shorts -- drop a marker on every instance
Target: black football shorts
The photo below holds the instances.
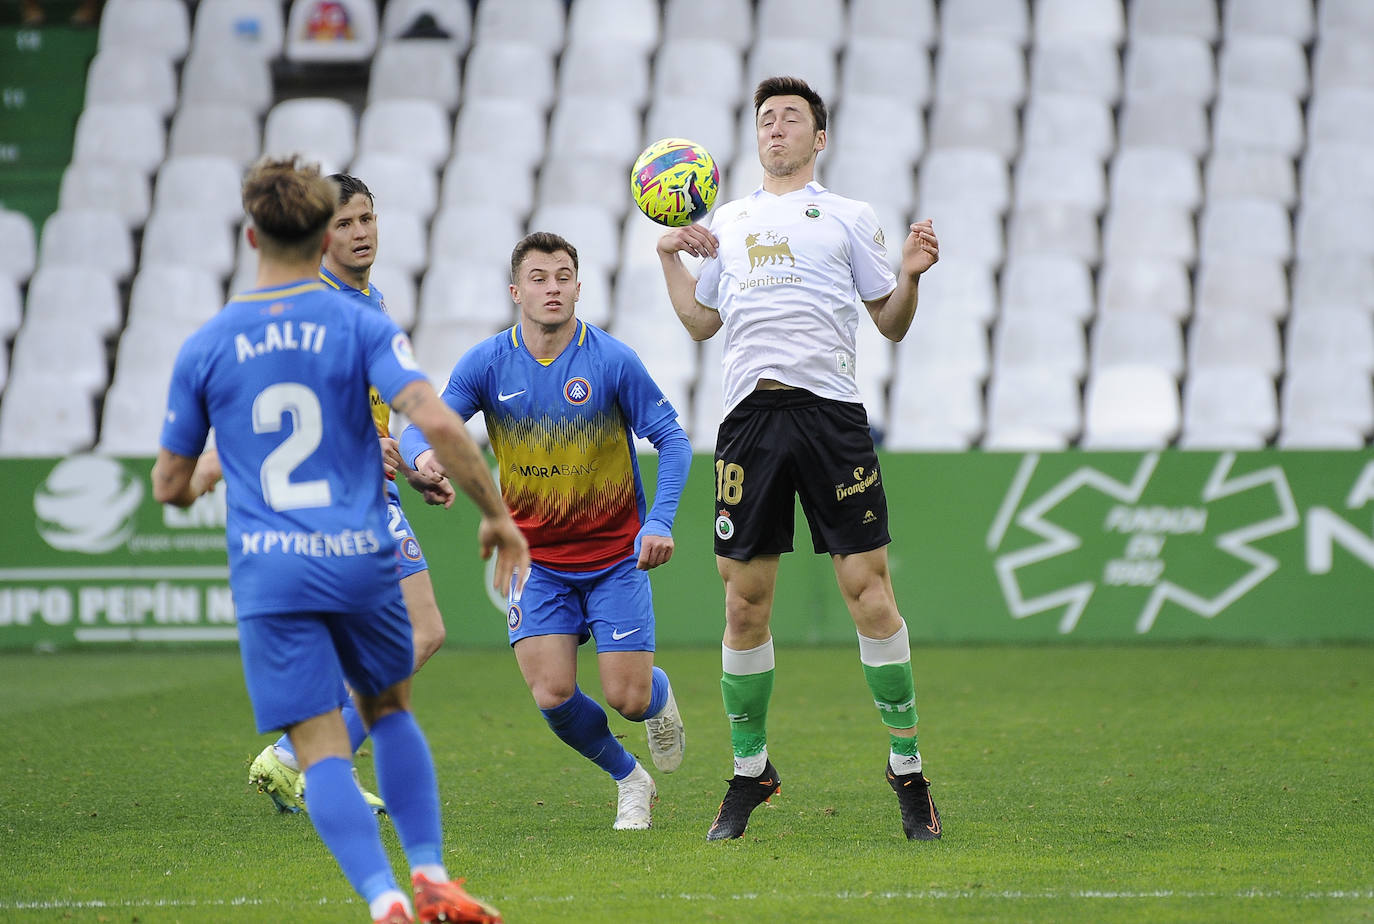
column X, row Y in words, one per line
column 780, row 444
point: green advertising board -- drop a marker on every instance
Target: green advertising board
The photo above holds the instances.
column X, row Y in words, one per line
column 1265, row 546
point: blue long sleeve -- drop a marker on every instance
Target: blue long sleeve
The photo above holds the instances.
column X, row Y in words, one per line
column 413, row 443
column 674, row 459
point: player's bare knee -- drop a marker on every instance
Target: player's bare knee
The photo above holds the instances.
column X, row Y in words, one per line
column 630, row 700
column 552, row 695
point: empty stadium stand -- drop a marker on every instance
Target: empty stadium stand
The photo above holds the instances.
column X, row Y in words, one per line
column 1156, row 216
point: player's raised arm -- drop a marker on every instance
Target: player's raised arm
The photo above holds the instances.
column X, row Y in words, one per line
column 463, row 463
column 701, row 322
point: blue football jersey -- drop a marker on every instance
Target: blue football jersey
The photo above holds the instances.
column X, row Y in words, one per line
column 563, row 436
column 282, row 375
column 371, row 297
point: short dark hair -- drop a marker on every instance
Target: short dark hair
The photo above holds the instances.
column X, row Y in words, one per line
column 541, row 242
column 350, row 186
column 791, row 86
column 290, row 204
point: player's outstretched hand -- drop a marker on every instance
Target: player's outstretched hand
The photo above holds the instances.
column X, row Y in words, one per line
column 512, row 553
column 693, row 239
column 921, row 248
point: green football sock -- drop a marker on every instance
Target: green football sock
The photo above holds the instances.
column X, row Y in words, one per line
column 746, row 686
column 894, row 693
column 887, row 668
column 746, row 699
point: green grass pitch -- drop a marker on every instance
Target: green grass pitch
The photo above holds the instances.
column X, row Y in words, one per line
column 1076, row 783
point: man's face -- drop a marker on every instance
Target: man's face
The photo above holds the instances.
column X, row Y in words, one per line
column 787, row 135
column 353, row 236
column 546, row 288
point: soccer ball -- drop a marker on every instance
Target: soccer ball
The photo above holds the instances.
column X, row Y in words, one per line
column 674, row 182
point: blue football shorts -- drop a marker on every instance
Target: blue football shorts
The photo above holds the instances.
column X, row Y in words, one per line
column 296, row 665
column 613, row 605
column 409, row 558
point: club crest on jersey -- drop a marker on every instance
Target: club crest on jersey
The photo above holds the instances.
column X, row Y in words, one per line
column 577, row 390
column 812, row 212
column 513, row 616
column 410, row 548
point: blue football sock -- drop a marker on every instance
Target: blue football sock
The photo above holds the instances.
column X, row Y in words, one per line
column 581, row 724
column 405, row 776
column 347, row 826
column 357, row 731
column 658, row 693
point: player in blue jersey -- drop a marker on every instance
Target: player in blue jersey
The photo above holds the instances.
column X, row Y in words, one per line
column 281, row 374
column 562, row 402
column 347, row 268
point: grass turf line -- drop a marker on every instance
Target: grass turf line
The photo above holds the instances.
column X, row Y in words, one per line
column 1085, row 783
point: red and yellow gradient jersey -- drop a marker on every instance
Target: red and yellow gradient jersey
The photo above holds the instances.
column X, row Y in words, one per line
column 563, row 436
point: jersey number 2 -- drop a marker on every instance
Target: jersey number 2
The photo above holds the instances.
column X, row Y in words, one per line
column 269, row 408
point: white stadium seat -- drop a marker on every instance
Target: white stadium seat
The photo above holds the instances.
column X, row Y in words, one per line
column 20, row 253
column 204, row 182
column 216, row 129
column 78, row 295
column 226, row 75
column 1001, row 19
column 1129, row 407
column 1231, row 407
column 88, row 237
column 452, row 16
column 256, row 26
column 1155, row 284
column 160, row 28
column 511, row 70
column 1077, row 67
column 1172, row 17
column 415, row 69
column 822, row 20
column 414, row 128
column 318, row 128
column 104, row 186
column 120, row 133
column 1032, row 408
column 1290, row 19
column 122, row 74
column 539, row 22
column 906, row 20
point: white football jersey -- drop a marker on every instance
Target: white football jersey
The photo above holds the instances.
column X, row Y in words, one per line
column 786, row 282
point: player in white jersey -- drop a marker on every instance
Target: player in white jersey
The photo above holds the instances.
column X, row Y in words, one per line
column 785, row 267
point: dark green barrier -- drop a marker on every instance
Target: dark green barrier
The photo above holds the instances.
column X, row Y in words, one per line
column 1263, row 546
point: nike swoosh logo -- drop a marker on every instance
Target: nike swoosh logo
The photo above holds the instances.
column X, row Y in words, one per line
column 515, row 394
column 618, row 635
